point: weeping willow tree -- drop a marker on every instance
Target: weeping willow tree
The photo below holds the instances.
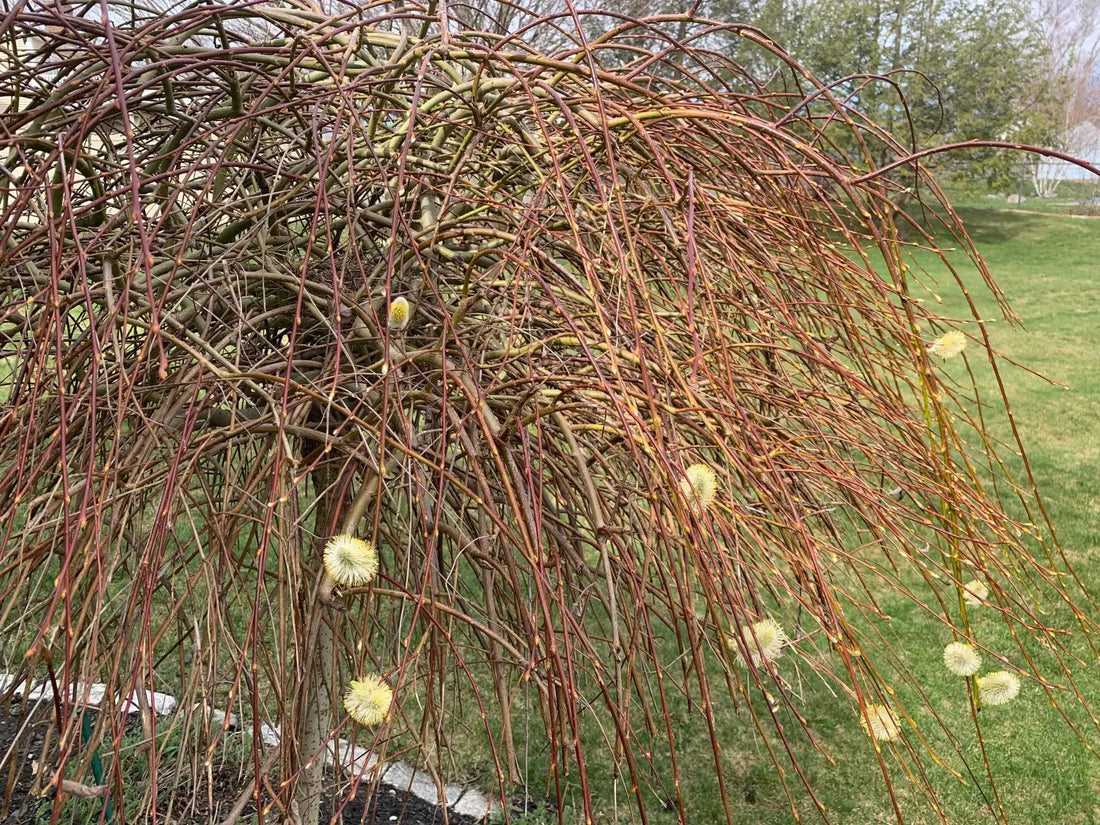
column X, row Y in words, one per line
column 611, row 353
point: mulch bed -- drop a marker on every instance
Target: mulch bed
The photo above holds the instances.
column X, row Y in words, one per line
column 387, row 806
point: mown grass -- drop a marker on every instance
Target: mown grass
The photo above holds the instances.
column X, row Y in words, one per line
column 1049, row 268
column 1071, row 198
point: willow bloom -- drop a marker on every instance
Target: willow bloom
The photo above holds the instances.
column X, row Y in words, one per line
column 998, row 688
column 368, row 700
column 879, row 722
column 699, row 486
column 961, row 659
column 350, row 561
column 765, row 641
column 975, row 592
column 948, row 345
column 399, row 314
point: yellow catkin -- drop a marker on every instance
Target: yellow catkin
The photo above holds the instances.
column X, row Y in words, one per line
column 368, row 700
column 879, row 722
column 948, row 345
column 975, row 593
column 350, row 561
column 399, row 314
column 998, row 688
column 700, row 487
column 961, row 659
column 765, row 641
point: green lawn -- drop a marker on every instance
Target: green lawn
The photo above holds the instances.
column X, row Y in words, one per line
column 1049, row 268
column 1071, row 198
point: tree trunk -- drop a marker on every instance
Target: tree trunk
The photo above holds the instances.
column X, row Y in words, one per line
column 316, row 692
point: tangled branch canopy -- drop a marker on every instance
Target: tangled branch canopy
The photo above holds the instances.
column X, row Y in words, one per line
column 620, row 260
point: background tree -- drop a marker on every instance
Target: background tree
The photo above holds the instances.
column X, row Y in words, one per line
column 955, row 71
column 658, row 408
column 1067, row 90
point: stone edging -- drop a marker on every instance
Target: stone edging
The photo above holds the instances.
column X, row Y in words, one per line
column 353, row 759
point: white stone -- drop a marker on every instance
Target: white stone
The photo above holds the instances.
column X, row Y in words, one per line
column 269, row 734
column 217, row 716
column 93, row 696
column 425, row 788
column 352, row 758
column 161, row 703
column 397, row 774
column 475, row 804
column 451, row 795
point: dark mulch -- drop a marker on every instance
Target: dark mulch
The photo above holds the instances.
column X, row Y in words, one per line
column 21, row 740
column 392, row 805
column 21, row 748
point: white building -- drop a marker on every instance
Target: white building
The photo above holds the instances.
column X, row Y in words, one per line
column 1083, row 143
